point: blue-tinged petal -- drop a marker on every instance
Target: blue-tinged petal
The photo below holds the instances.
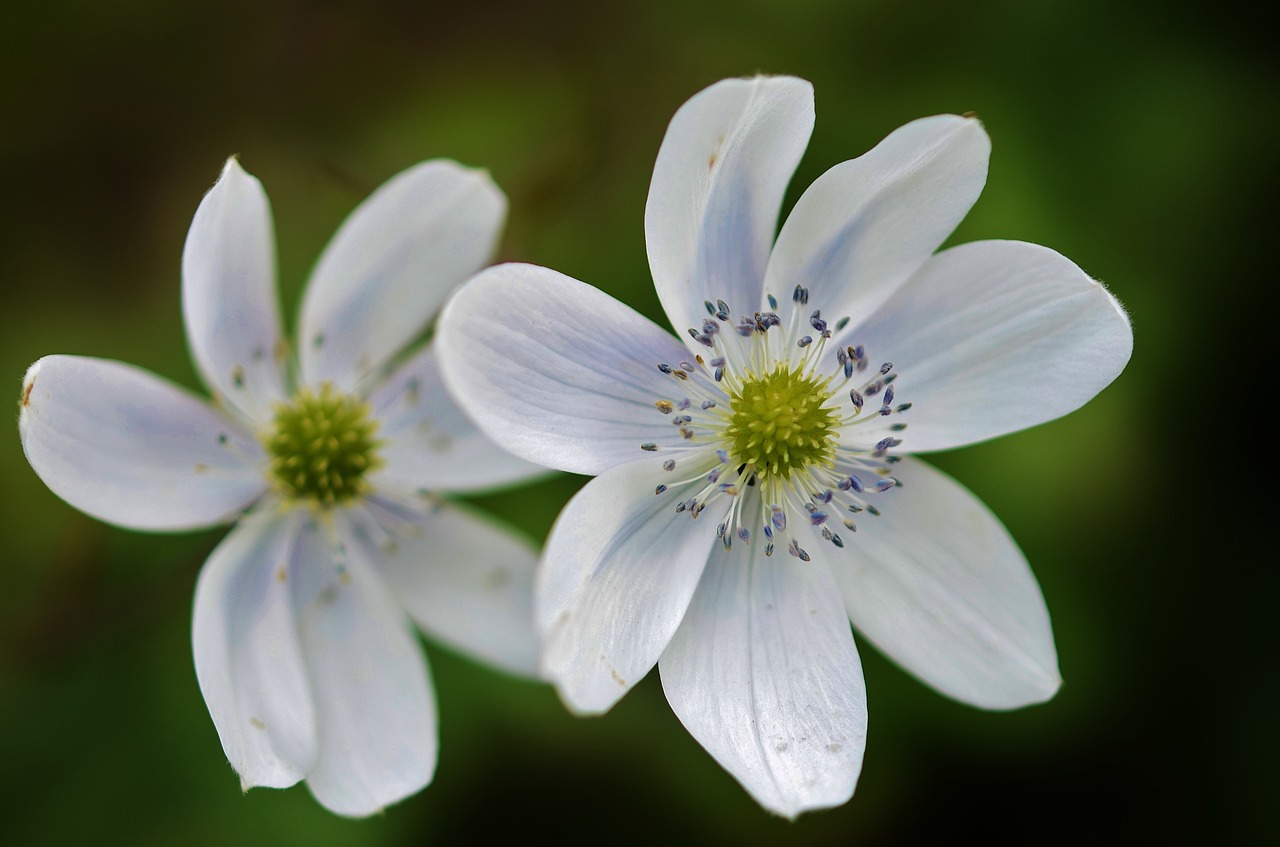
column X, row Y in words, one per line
column 466, row 581
column 616, row 577
column 374, row 704
column 557, row 372
column 866, row 225
column 992, row 337
column 248, row 659
column 229, row 301
column 391, row 265
column 717, row 185
column 764, row 673
column 428, row 442
column 936, row 582
column 129, row 448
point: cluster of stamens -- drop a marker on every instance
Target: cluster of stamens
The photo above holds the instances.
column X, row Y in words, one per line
column 322, row 445
column 775, row 408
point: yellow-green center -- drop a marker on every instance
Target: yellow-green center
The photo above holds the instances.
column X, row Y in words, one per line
column 322, row 446
column 779, row 424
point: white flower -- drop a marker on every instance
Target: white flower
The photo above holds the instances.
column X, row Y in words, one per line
column 302, row 647
column 779, row 426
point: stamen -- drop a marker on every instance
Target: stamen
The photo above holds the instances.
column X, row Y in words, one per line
column 785, row 445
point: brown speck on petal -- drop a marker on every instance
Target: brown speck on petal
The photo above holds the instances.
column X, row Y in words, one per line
column 497, row 578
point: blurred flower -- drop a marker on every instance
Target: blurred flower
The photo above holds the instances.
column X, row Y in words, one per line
column 784, row 426
column 302, row 647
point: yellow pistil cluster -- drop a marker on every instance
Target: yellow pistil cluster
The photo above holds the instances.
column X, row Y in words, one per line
column 778, row 424
column 322, row 445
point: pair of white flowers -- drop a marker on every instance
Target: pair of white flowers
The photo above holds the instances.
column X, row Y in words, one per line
column 752, row 493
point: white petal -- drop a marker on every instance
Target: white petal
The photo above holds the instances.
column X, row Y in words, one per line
column 764, row 673
column 937, row 583
column 248, row 660
column 375, row 708
column 866, row 225
column 129, row 448
column 992, row 337
column 229, row 295
column 390, row 266
column 616, row 577
column 428, row 442
column 467, row 582
column 556, row 371
column 713, row 203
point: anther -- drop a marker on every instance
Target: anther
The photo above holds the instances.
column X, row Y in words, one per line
column 778, row 517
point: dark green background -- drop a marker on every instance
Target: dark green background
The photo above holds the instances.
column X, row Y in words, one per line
column 1137, row 139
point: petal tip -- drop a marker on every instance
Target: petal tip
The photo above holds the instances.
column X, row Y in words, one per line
column 233, row 172
column 28, row 384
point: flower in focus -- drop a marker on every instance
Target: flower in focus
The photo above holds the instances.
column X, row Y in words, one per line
column 753, row 491
column 330, row 466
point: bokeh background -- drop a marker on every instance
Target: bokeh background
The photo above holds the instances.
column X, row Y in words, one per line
column 1138, row 139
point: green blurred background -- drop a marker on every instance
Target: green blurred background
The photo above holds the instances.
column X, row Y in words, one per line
column 1138, row 139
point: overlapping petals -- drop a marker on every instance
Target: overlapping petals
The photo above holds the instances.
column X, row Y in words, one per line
column 605, row 604
column 427, row 440
column 865, row 226
column 464, row 579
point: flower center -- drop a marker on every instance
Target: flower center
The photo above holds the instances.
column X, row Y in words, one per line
column 779, row 423
column 790, row 431
column 322, row 445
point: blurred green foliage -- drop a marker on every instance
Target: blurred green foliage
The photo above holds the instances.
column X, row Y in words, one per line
column 1137, row 139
